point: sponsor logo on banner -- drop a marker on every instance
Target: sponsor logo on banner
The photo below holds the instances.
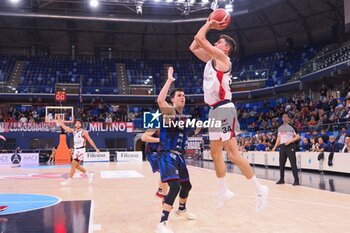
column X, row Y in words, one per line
column 129, row 156
column 20, row 158
column 96, row 157
column 112, row 127
column 6, row 127
column 16, row 159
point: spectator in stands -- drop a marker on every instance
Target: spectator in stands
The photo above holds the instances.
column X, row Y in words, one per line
column 348, row 99
column 341, row 136
column 269, row 146
column 315, row 135
column 321, row 146
column 333, row 147
column 323, row 91
column 313, row 144
column 305, row 145
column 333, row 103
column 347, row 149
column 260, row 146
column 312, row 122
column 31, row 120
column 101, row 119
column 109, row 120
column 344, row 89
column 298, row 124
column 241, row 144
column 346, row 117
column 346, row 143
column 326, row 122
column 320, row 125
column 23, row 119
column 249, row 146
column 324, row 136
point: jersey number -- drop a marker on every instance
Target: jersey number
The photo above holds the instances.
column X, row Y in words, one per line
column 226, row 129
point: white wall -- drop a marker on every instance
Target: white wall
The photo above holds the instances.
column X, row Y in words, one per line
column 305, row 160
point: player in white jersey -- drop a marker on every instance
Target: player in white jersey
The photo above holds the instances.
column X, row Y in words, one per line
column 217, row 94
column 79, row 138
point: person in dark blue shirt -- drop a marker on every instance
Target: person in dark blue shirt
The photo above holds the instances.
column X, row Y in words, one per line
column 261, row 146
column 333, row 147
column 151, row 137
column 249, row 146
column 172, row 146
column 305, row 145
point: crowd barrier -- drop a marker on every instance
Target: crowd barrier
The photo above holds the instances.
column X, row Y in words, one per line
column 305, row 160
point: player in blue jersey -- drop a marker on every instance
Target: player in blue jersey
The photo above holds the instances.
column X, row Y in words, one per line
column 173, row 142
column 151, row 137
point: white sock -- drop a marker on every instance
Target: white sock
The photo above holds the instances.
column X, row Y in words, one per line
column 256, row 182
column 222, row 184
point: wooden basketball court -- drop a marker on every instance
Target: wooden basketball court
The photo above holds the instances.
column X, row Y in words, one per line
column 126, row 204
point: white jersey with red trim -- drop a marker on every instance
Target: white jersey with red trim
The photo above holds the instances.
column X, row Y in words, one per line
column 78, row 139
column 216, row 84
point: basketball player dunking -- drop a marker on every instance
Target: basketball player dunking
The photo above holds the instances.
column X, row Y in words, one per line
column 172, row 165
column 3, row 207
column 79, row 137
column 151, row 137
column 217, row 94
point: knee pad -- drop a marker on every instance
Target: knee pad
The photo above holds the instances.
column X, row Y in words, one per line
column 174, row 189
column 185, row 189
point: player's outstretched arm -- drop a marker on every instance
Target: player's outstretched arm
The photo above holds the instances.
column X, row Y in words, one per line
column 199, row 52
column 161, row 100
column 203, row 43
column 148, row 136
column 61, row 123
column 2, row 138
column 92, row 143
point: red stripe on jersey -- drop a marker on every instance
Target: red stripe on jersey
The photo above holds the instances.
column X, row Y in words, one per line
column 222, row 92
column 233, row 128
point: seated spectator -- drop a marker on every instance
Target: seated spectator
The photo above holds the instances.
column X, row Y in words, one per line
column 312, row 122
column 346, row 117
column 261, row 146
column 269, row 146
column 31, row 120
column 305, row 145
column 345, row 145
column 315, row 134
column 341, row 136
column 298, row 124
column 347, row 149
column 249, row 146
column 324, row 136
column 308, row 135
column 23, row 119
column 321, row 146
column 333, row 146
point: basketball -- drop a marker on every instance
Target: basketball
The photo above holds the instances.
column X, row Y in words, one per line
column 220, row 15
